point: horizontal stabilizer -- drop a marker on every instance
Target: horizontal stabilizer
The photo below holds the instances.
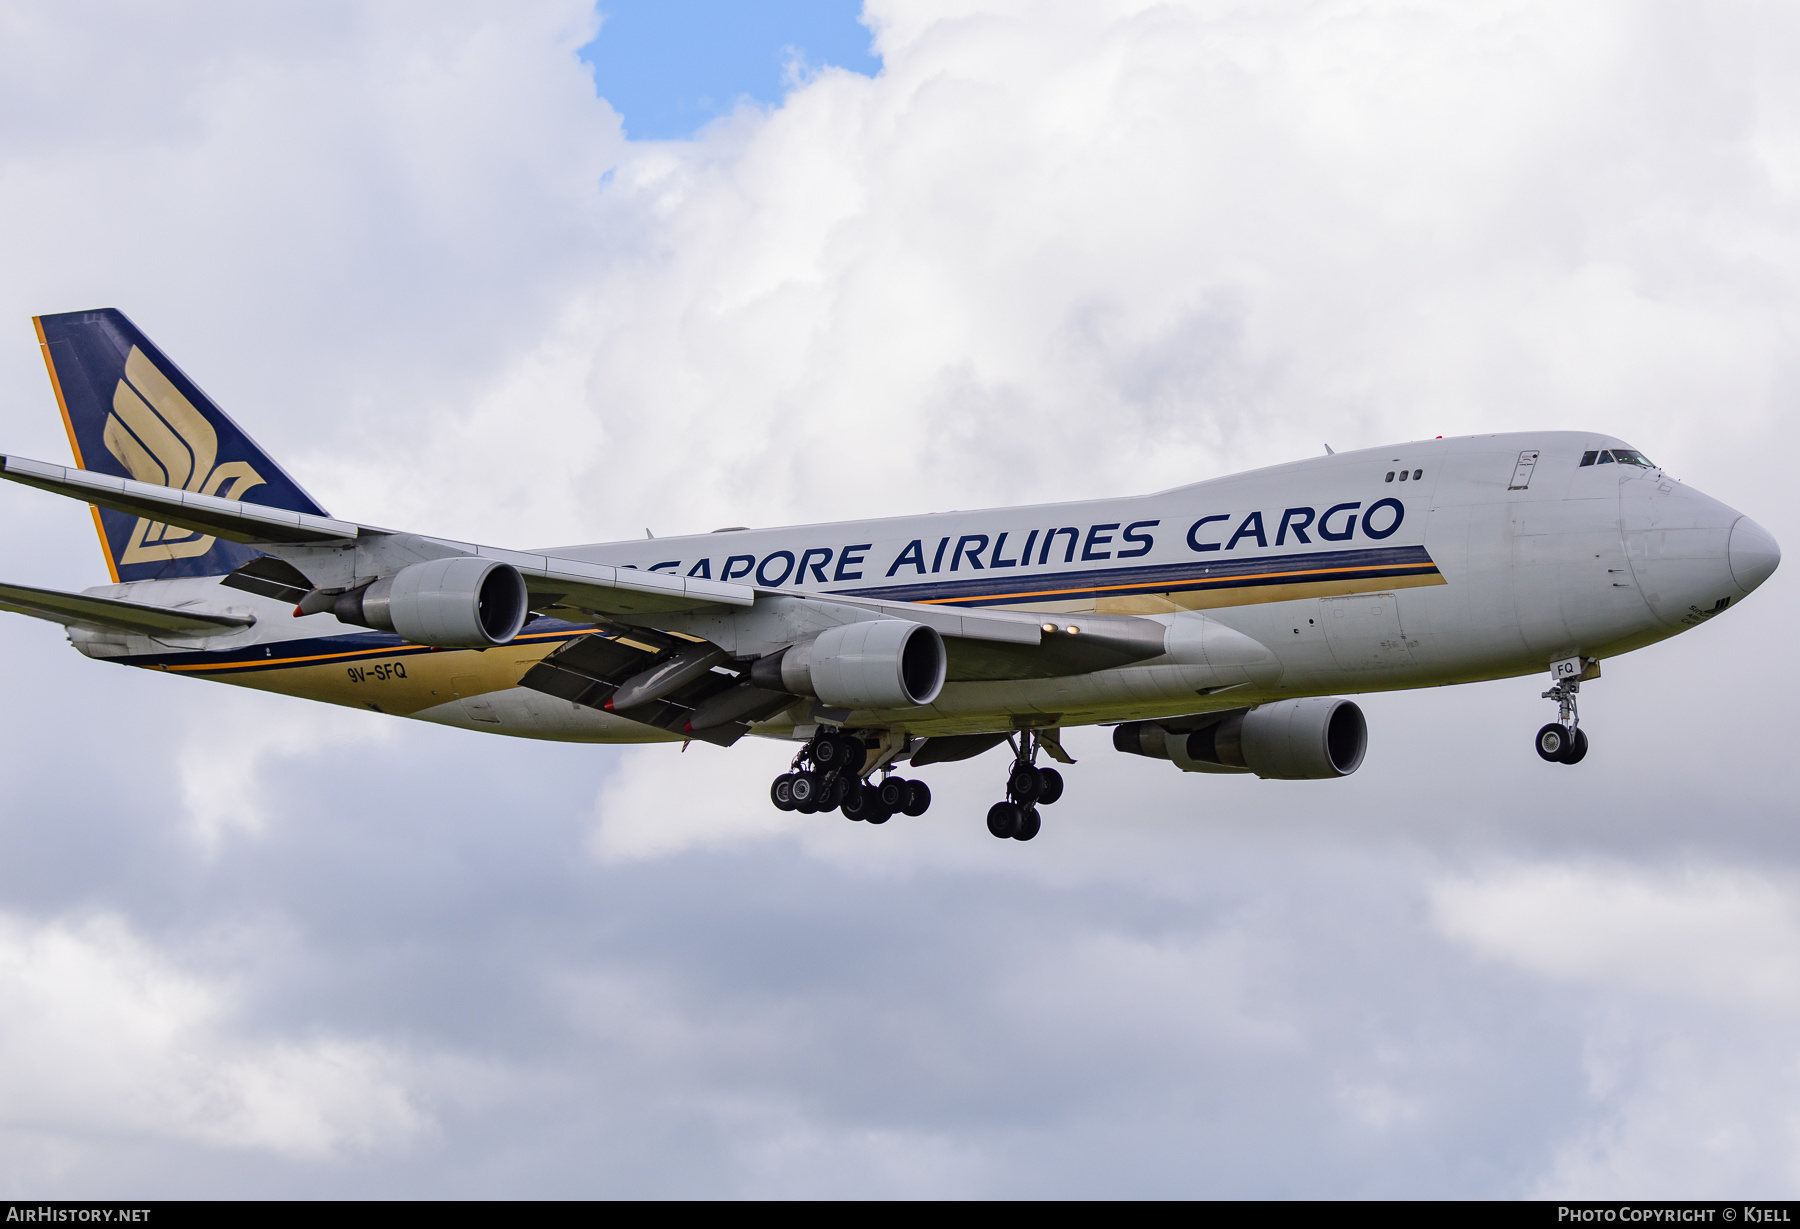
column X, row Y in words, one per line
column 80, row 610
column 582, row 585
column 231, row 519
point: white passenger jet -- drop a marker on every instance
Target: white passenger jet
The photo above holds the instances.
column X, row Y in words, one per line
column 1208, row 624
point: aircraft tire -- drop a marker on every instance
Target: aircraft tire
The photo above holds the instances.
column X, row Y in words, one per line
column 1050, row 786
column 918, row 798
column 1553, row 742
column 808, row 790
column 781, row 792
column 892, row 793
column 1022, row 786
column 856, row 803
column 878, row 814
column 1577, row 748
column 1004, row 819
column 1029, row 824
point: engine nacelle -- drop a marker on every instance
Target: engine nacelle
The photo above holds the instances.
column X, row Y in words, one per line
column 461, row 602
column 1289, row 740
column 878, row 663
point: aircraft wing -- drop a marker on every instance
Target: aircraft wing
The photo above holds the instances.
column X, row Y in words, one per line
column 81, row 610
column 571, row 582
column 981, row 644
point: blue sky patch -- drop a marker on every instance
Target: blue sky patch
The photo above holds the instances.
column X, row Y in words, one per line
column 670, row 66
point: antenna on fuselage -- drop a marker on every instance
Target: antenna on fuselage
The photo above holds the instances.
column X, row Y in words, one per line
column 1328, row 451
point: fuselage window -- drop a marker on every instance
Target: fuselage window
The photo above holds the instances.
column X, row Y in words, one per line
column 1403, row 475
column 1417, row 474
column 1390, row 476
column 1587, row 458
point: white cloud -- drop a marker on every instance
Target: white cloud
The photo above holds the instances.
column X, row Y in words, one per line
column 1714, row 935
column 101, row 1034
column 225, row 758
column 652, row 806
column 1692, row 1089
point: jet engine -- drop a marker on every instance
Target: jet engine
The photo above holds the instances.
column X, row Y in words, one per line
column 1289, row 740
column 463, row 602
column 878, row 663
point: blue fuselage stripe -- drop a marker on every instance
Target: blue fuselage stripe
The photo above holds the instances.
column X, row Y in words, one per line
column 989, row 589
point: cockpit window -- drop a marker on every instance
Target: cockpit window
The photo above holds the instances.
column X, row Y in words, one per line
column 1617, row 456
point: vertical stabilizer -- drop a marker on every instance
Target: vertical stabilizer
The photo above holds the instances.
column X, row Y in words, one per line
column 132, row 413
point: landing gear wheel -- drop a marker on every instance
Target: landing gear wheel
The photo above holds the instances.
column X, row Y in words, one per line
column 1050, row 786
column 805, row 789
column 1553, row 742
column 892, row 793
column 1022, row 786
column 781, row 792
column 857, row 801
column 1029, row 823
column 1004, row 819
column 840, row 790
column 878, row 814
column 1577, row 747
column 918, row 798
column 855, row 753
column 828, row 752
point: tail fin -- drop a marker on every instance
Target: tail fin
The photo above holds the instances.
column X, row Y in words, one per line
column 132, row 413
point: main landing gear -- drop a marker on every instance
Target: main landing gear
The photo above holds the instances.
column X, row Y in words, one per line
column 1027, row 788
column 1563, row 741
column 827, row 775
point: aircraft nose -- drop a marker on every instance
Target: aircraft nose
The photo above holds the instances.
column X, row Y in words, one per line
column 1754, row 554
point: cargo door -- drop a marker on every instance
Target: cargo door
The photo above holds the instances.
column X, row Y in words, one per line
column 1363, row 631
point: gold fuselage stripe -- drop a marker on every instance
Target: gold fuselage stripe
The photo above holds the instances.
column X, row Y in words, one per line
column 1163, row 586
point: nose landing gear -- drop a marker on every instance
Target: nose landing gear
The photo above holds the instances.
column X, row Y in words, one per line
column 827, row 775
column 1027, row 788
column 1563, row 741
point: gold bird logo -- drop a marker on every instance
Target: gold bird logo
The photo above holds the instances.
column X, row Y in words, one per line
column 159, row 437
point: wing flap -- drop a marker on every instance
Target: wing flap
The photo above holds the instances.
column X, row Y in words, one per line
column 589, row 669
column 82, row 610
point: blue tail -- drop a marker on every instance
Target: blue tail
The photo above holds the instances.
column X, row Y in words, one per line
column 132, row 413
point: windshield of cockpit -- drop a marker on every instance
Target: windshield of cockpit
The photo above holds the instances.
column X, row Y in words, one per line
column 1617, row 456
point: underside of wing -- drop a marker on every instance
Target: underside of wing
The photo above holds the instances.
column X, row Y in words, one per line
column 80, row 610
column 590, row 670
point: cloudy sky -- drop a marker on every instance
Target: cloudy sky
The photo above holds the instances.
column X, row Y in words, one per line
column 555, row 275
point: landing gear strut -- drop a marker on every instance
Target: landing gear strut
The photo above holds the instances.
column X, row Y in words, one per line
column 827, row 775
column 1027, row 788
column 1563, row 741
